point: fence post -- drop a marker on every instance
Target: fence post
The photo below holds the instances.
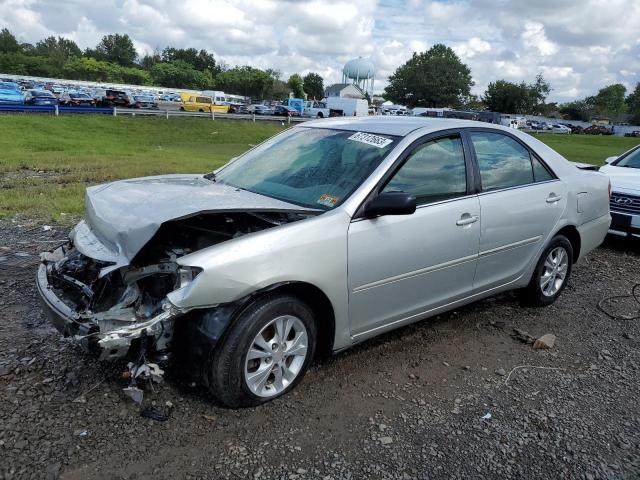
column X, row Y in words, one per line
column 254, row 118
column 115, row 114
column 288, row 119
column 213, row 115
column 167, row 113
column 57, row 111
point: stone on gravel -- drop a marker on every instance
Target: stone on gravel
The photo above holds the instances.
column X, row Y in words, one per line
column 545, row 342
column 500, row 371
column 385, row 440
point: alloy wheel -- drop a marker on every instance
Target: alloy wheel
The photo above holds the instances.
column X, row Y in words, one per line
column 554, row 271
column 276, row 356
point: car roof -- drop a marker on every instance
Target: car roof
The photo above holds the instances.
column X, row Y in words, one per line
column 396, row 125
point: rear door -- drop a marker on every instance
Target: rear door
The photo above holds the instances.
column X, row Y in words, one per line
column 521, row 201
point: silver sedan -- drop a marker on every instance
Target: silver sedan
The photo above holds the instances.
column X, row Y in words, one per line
column 323, row 236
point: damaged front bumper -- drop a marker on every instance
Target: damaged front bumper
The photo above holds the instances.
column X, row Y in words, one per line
column 114, row 333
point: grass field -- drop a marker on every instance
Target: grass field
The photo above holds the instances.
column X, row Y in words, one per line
column 46, row 163
column 591, row 149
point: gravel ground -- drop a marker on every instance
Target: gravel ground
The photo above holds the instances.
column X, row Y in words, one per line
column 454, row 397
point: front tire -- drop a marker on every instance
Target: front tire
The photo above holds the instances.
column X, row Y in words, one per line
column 265, row 353
column 551, row 274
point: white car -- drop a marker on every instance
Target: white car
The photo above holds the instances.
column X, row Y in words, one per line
column 624, row 173
column 557, row 128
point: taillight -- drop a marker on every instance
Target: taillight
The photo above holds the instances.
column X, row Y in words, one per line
column 609, row 189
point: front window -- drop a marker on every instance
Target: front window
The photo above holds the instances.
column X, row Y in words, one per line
column 631, row 160
column 311, row 167
column 434, row 171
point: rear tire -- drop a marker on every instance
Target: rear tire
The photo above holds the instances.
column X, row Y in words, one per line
column 264, row 354
column 551, row 274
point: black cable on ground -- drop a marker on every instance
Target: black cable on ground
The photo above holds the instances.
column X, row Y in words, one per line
column 635, row 294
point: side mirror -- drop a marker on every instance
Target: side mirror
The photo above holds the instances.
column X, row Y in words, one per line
column 611, row 159
column 390, row 203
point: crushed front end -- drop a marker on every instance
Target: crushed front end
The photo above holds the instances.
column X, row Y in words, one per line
column 117, row 313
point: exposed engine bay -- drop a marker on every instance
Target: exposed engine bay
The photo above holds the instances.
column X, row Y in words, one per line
column 124, row 312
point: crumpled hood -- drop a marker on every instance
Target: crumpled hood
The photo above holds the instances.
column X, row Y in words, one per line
column 122, row 216
column 623, row 178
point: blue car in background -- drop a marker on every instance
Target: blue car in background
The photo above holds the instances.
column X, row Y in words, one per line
column 10, row 94
column 40, row 97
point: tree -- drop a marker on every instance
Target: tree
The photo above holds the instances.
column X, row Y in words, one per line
column 509, row 97
column 633, row 105
column 90, row 69
column 116, row 48
column 435, row 78
column 610, row 100
column 506, row 97
column 8, row 42
column 313, row 86
column 247, row 81
column 149, row 60
column 296, row 85
column 59, row 50
column 472, row 102
column 180, row 74
column 200, row 60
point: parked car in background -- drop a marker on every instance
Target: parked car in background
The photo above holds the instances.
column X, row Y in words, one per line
column 260, row 109
column 196, row 103
column 11, row 94
column 114, row 98
column 575, row 129
column 315, row 109
column 624, row 173
column 40, row 97
column 326, row 235
column 284, row 111
column 558, row 128
column 635, row 133
column 597, row 130
column 144, row 101
column 239, row 108
column 201, row 103
column 76, row 99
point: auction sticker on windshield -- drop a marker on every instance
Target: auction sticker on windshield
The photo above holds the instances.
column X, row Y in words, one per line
column 371, row 139
column 327, row 200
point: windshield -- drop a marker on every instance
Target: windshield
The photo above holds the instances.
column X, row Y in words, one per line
column 311, row 167
column 9, row 86
column 631, row 160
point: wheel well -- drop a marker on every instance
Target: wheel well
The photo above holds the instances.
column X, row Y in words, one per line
column 573, row 236
column 321, row 306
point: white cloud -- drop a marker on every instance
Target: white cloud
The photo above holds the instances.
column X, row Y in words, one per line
column 578, row 45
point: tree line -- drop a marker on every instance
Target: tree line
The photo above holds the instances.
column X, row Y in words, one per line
column 438, row 78
column 115, row 60
column 434, row 78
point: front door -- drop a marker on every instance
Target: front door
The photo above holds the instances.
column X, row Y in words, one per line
column 400, row 267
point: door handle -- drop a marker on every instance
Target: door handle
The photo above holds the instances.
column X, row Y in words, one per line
column 466, row 219
column 553, row 198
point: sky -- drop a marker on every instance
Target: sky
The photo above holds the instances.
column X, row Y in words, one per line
column 579, row 46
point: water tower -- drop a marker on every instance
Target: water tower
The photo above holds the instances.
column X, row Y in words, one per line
column 359, row 71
